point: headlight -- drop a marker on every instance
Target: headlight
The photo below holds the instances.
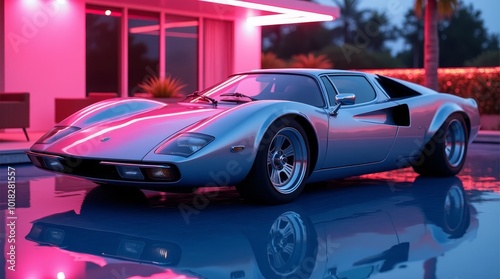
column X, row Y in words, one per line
column 185, row 144
column 57, row 133
column 54, row 236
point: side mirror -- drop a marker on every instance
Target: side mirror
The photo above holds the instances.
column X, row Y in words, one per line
column 343, row 99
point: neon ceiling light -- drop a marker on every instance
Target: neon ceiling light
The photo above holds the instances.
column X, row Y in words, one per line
column 282, row 16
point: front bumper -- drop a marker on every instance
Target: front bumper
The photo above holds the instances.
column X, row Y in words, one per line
column 106, row 171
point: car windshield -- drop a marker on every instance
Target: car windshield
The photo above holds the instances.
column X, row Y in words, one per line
column 254, row 87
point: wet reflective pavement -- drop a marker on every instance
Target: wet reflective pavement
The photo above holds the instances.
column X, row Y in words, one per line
column 386, row 225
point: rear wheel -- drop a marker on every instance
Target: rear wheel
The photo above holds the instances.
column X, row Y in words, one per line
column 445, row 153
column 446, row 205
column 280, row 168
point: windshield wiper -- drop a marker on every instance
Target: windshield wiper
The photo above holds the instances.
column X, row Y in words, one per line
column 203, row 97
column 238, row 95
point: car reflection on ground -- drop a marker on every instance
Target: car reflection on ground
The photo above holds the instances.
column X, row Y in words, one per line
column 330, row 234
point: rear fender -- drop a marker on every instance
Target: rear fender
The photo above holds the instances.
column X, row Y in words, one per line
column 440, row 117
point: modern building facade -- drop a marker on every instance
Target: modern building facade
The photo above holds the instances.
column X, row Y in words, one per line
column 68, row 48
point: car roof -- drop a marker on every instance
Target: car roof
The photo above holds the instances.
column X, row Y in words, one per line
column 306, row 71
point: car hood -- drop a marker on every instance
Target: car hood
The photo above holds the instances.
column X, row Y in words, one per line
column 132, row 137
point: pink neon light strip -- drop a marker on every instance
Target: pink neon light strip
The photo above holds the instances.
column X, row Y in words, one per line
column 283, row 16
column 278, row 19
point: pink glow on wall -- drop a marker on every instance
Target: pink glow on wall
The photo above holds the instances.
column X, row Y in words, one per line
column 36, row 5
column 45, row 54
column 247, row 39
column 284, row 15
column 30, row 3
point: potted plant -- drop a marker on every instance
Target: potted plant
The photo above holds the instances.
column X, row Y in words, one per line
column 163, row 88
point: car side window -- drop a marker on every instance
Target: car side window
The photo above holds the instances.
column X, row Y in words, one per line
column 301, row 89
column 354, row 84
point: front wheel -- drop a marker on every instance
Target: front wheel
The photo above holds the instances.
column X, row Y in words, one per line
column 445, row 153
column 290, row 248
column 280, row 168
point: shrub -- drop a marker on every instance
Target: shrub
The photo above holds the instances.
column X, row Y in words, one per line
column 269, row 60
column 311, row 61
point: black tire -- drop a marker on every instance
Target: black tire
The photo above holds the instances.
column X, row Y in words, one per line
column 281, row 166
column 444, row 154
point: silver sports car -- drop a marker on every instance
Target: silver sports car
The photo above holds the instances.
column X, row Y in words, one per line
column 267, row 132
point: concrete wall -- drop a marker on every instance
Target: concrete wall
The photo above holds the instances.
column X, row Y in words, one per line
column 45, row 53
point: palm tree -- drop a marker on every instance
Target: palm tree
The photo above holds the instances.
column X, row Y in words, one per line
column 434, row 10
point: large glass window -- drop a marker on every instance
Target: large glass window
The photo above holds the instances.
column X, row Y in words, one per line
column 181, row 43
column 143, row 48
column 105, row 48
column 102, row 49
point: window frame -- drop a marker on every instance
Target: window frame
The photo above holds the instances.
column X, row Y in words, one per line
column 151, row 71
column 123, row 51
column 120, row 48
column 336, row 91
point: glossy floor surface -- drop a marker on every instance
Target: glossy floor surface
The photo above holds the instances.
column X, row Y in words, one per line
column 385, row 225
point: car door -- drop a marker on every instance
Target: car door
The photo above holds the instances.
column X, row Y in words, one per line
column 360, row 133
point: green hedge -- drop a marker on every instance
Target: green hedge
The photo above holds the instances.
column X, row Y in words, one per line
column 482, row 84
